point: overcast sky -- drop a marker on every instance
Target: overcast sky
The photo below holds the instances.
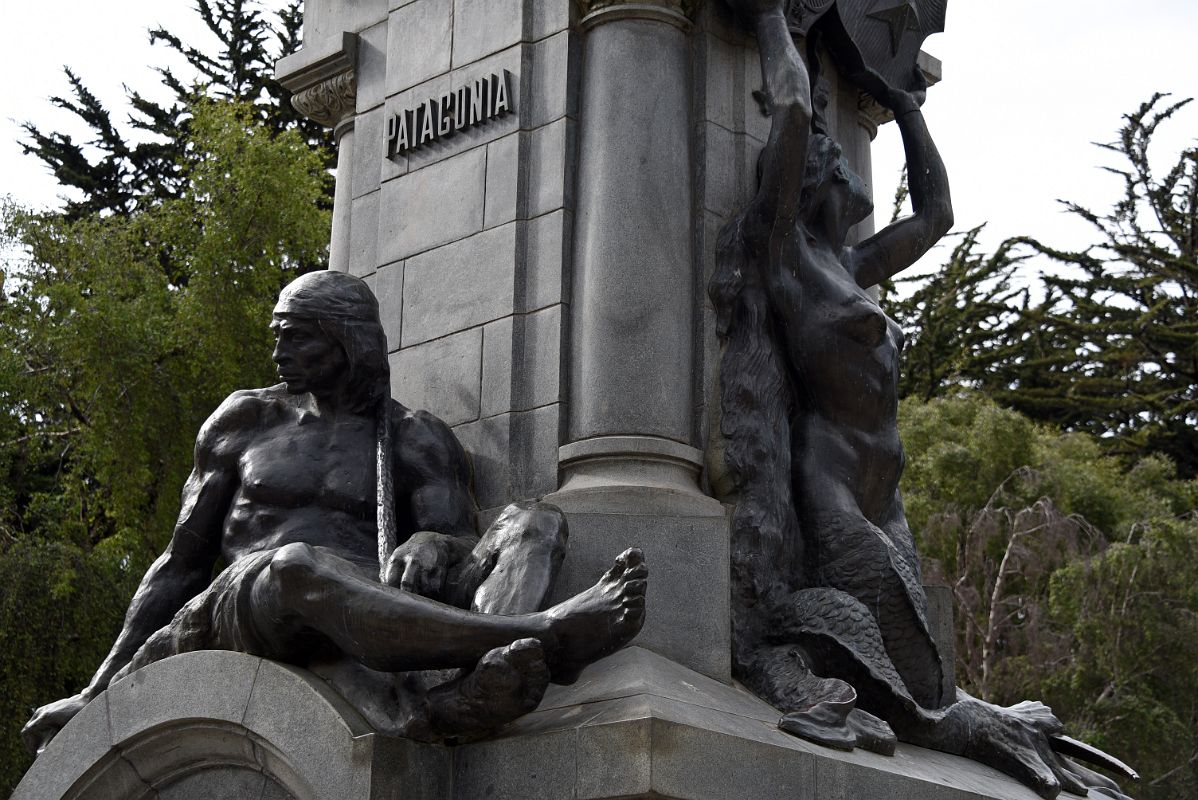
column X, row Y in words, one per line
column 1028, row 85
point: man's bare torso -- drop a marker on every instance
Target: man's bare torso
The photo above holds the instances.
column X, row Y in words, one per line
column 301, row 477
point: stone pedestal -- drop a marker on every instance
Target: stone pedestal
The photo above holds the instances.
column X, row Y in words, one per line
column 227, row 726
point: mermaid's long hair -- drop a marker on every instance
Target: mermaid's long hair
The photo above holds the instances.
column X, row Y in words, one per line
column 757, row 400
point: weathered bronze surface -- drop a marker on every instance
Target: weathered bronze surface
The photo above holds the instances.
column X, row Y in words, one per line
column 285, row 491
column 830, row 616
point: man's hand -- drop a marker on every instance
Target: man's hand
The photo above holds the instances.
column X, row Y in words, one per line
column 48, row 720
column 421, row 564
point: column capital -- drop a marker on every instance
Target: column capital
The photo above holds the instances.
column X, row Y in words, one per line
column 674, row 12
column 322, row 78
column 330, row 102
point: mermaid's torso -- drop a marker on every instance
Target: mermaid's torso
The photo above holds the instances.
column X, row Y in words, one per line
column 843, row 351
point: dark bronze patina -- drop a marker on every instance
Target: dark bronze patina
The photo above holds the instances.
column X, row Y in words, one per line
column 285, row 491
column 830, row 616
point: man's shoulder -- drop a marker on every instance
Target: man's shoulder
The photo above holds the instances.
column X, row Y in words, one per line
column 242, row 412
column 423, row 436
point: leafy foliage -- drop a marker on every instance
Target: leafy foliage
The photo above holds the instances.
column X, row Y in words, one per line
column 108, row 367
column 1074, row 578
column 115, row 174
column 1108, row 344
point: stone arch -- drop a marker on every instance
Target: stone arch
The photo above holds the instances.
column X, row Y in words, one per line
column 226, row 723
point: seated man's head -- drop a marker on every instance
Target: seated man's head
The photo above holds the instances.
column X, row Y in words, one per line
column 329, row 338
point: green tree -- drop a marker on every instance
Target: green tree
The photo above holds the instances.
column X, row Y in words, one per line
column 1109, row 344
column 1129, row 307
column 1073, row 576
column 108, row 366
column 112, row 172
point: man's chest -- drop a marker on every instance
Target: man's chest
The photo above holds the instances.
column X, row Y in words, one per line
column 322, row 464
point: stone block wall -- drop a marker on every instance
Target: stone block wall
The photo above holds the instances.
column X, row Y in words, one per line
column 465, row 240
column 492, row 309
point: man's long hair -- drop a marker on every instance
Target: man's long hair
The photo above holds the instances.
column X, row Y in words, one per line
column 348, row 313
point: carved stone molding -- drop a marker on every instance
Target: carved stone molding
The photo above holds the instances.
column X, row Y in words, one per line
column 674, row 12
column 329, row 102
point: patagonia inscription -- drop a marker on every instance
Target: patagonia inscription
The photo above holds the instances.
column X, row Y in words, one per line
column 440, row 117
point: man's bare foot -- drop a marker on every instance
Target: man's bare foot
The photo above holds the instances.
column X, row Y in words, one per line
column 597, row 621
column 507, row 683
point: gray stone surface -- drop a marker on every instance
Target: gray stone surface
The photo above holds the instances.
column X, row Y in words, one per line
column 364, row 235
column 633, row 725
column 368, row 153
column 721, row 160
column 482, row 27
column 549, row 17
column 419, row 42
column 229, row 783
column 459, row 286
column 388, row 288
column 512, row 454
column 372, row 66
column 503, row 173
column 325, row 19
column 325, row 737
column 339, row 242
column 69, row 755
column 721, row 94
column 432, row 206
column 522, row 362
column 546, row 258
column 550, row 184
column 632, row 359
column 540, row 765
column 687, row 616
column 556, row 62
column 217, row 725
column 152, row 696
column 442, row 376
column 510, row 59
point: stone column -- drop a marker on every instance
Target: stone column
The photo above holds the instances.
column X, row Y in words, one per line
column 324, row 83
column 632, row 354
column 629, row 464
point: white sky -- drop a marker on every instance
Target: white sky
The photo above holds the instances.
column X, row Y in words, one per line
column 1028, row 85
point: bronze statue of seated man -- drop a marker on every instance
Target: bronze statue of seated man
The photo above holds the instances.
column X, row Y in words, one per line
column 290, row 485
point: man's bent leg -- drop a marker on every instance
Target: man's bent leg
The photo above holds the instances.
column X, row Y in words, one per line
column 510, row 571
column 305, row 589
column 513, row 566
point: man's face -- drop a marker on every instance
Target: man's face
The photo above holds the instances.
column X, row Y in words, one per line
column 308, row 359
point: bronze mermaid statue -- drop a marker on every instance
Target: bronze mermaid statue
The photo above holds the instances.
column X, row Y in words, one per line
column 829, row 612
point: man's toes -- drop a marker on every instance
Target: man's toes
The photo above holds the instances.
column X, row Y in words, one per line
column 635, row 588
column 632, row 617
column 525, row 651
column 637, row 573
column 630, row 558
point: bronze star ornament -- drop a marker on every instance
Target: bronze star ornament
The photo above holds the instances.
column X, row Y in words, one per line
column 883, row 36
column 899, row 18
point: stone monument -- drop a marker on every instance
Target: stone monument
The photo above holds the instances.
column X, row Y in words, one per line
column 537, row 192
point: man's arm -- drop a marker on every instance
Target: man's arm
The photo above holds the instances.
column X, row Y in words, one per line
column 432, row 465
column 180, row 573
